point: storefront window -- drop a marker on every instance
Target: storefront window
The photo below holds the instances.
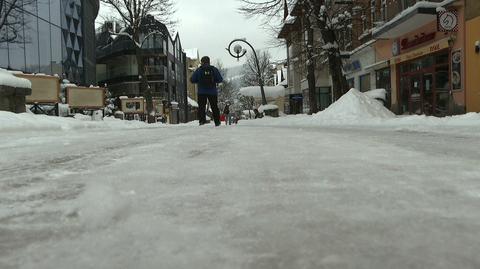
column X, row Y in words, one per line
column 351, row 83
column 324, row 97
column 384, row 82
column 365, row 83
column 425, row 85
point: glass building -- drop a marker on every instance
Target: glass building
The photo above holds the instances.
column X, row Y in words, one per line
column 163, row 57
column 50, row 37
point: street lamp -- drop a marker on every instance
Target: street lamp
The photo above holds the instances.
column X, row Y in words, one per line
column 239, row 53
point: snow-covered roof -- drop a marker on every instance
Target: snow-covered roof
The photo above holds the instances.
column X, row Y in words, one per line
column 402, row 15
column 192, row 102
column 359, row 48
column 270, row 91
column 8, row 79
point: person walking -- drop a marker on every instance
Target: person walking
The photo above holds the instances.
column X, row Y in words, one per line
column 207, row 77
column 226, row 112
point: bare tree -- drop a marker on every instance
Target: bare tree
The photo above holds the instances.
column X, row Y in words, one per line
column 133, row 13
column 329, row 18
column 250, row 71
column 227, row 90
column 247, row 103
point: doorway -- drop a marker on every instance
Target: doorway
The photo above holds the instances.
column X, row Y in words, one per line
column 423, row 83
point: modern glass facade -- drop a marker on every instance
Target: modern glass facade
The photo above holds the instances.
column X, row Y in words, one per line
column 46, row 36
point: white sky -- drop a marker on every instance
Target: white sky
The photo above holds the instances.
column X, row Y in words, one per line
column 210, row 25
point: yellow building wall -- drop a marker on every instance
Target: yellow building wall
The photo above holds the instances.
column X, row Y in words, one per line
column 472, row 66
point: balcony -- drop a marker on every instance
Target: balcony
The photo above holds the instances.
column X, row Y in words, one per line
column 127, row 47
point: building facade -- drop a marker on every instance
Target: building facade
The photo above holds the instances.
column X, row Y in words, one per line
column 424, row 53
column 193, row 62
column 165, row 63
column 50, row 37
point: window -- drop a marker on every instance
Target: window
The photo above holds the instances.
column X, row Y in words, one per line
column 31, row 40
column 44, row 44
column 383, row 11
column 351, row 83
column 372, row 10
column 383, row 81
column 365, row 83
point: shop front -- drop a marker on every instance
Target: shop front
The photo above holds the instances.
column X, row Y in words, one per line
column 425, row 82
column 426, row 63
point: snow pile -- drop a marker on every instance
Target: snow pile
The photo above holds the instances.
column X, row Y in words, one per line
column 262, row 108
column 8, row 79
column 377, row 94
column 192, row 102
column 270, row 91
column 25, row 122
column 355, row 107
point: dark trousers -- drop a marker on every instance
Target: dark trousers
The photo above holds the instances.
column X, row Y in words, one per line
column 202, row 103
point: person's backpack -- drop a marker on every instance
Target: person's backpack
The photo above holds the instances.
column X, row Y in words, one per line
column 207, row 78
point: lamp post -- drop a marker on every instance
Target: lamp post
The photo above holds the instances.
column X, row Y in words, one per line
column 239, row 53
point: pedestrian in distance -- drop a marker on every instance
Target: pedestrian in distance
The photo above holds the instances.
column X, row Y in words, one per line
column 226, row 112
column 207, row 77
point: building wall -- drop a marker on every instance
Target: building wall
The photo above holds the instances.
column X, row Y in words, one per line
column 472, row 65
column 39, row 45
column 473, row 9
column 192, row 65
column 90, row 10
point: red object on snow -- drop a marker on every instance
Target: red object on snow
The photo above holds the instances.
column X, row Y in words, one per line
column 222, row 117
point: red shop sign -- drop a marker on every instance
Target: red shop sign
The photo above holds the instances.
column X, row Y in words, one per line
column 419, row 39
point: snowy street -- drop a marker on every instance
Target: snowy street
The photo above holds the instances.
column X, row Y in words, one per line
column 246, row 196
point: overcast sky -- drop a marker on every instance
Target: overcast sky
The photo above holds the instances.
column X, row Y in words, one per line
column 210, row 25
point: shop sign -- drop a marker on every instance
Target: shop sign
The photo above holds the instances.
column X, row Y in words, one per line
column 418, row 40
column 447, row 21
column 457, row 70
column 437, row 46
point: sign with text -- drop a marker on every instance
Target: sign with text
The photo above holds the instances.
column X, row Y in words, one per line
column 45, row 89
column 434, row 47
column 133, row 105
column 85, row 98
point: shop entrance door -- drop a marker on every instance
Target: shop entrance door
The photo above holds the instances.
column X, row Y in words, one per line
column 424, row 85
column 415, row 94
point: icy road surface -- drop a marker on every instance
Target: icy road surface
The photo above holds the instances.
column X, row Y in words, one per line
column 241, row 197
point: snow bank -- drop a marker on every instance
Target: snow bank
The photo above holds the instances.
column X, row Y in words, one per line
column 377, row 94
column 192, row 102
column 355, row 107
column 25, row 122
column 270, row 91
column 262, row 108
column 8, row 79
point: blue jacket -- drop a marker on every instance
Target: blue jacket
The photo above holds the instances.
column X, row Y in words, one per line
column 216, row 75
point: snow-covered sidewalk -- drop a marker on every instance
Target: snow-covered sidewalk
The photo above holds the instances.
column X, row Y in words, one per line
column 239, row 197
column 351, row 187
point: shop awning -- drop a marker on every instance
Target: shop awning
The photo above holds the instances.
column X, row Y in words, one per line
column 378, row 65
column 411, row 18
